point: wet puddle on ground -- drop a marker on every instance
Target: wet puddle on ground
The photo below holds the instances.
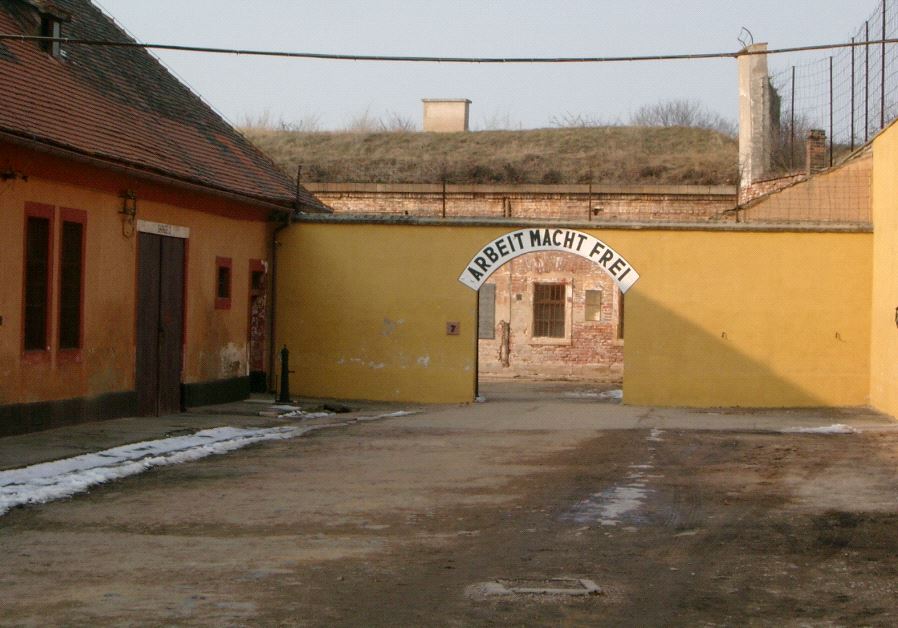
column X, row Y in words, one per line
column 622, row 502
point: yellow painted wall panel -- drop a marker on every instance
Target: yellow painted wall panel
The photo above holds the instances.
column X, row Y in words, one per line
column 363, row 310
column 718, row 318
column 883, row 330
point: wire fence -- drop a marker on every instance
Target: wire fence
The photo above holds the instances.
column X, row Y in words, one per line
column 850, row 93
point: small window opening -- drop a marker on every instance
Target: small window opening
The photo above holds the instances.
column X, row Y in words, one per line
column 222, row 283
column 593, row 305
column 258, row 280
column 51, row 26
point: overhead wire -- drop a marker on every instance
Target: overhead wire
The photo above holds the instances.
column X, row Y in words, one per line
column 436, row 59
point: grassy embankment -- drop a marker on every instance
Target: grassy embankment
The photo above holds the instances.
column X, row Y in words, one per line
column 615, row 154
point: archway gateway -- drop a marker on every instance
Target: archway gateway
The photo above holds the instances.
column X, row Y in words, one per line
column 550, row 306
column 522, row 241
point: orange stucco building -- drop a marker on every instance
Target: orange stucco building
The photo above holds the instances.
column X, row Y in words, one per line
column 136, row 231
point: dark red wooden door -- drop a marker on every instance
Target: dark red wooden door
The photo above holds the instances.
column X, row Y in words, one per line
column 160, row 324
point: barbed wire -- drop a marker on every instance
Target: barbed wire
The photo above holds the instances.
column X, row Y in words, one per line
column 850, row 93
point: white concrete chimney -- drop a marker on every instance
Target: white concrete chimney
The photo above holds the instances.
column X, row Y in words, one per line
column 755, row 124
column 446, row 115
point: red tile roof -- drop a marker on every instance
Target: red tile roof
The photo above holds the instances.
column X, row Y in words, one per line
column 121, row 104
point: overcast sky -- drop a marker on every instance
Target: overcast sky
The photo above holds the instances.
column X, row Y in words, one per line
column 333, row 92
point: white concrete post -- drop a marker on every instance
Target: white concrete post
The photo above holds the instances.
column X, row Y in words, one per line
column 755, row 125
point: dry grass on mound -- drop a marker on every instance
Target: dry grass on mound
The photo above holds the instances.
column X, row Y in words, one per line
column 617, row 154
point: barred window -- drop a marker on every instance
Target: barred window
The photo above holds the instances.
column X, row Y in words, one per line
column 548, row 310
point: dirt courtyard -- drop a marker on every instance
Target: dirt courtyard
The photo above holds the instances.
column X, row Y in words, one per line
column 680, row 517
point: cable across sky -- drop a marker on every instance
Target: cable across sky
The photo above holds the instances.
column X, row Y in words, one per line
column 437, row 59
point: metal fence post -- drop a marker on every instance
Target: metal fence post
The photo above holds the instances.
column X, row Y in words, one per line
column 830, row 112
column 866, row 81
column 852, row 94
column 882, row 82
column 792, row 126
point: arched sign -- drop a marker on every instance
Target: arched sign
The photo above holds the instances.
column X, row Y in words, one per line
column 523, row 241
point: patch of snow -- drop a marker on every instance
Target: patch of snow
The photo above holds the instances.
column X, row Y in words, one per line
column 617, row 393
column 655, row 435
column 835, row 428
column 390, row 415
column 300, row 414
column 609, row 506
column 40, row 483
column 583, row 394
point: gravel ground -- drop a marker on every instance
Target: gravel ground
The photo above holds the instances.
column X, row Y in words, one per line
column 680, row 517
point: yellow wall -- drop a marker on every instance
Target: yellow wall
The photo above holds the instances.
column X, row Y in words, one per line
column 363, row 310
column 718, row 318
column 747, row 318
column 216, row 339
column 883, row 331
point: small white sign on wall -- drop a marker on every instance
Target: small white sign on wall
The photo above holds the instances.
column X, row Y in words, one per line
column 160, row 228
column 511, row 245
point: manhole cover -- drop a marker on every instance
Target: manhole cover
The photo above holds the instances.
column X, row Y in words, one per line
column 537, row 586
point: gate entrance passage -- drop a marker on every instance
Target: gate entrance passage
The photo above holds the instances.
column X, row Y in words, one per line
column 550, row 306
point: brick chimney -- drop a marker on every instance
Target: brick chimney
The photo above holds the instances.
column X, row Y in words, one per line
column 815, row 151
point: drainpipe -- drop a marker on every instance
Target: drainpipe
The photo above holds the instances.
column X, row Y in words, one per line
column 272, row 309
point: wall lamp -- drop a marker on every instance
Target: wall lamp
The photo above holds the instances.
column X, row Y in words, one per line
column 10, row 174
column 128, row 212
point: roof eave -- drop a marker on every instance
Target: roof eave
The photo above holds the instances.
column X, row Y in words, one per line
column 150, row 174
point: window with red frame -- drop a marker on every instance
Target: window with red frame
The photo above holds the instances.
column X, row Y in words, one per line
column 38, row 251
column 71, row 278
column 223, row 283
